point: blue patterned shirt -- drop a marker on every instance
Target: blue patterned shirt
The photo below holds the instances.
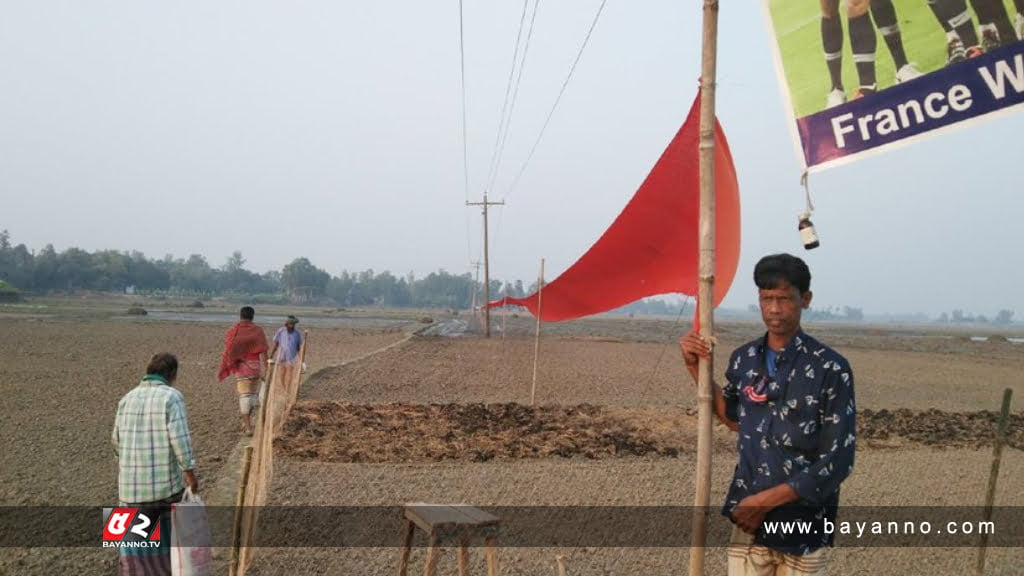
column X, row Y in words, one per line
column 797, row 425
column 152, row 442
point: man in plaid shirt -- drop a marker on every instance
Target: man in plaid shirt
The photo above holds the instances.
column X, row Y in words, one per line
column 154, row 451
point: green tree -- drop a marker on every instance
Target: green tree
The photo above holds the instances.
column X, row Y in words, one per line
column 233, row 277
column 16, row 263
column 147, row 275
column 8, row 293
column 44, row 273
column 20, row 265
column 235, row 262
column 390, row 291
column 302, row 279
column 192, row 275
column 110, row 271
column 74, row 269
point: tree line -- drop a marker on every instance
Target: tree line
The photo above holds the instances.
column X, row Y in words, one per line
column 1002, row 317
column 300, row 281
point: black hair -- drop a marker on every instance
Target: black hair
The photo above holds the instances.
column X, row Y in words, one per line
column 247, row 313
column 164, row 365
column 773, row 269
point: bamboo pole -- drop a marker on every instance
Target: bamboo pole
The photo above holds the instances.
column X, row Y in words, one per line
column 293, row 397
column 265, row 401
column 264, row 434
column 560, row 560
column 705, row 287
column 536, row 336
column 236, row 532
column 504, row 313
column 993, row 476
column 264, row 409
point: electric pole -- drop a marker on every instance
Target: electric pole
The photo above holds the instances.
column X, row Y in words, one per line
column 487, row 271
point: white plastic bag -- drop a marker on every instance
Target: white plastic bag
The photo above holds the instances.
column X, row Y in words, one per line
column 191, row 554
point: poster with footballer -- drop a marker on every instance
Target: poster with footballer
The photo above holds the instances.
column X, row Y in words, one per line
column 859, row 76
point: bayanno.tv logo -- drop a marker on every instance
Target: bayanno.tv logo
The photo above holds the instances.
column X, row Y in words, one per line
column 130, row 528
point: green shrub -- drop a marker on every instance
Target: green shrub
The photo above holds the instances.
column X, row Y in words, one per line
column 9, row 293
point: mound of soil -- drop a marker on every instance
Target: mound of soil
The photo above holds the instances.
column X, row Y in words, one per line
column 338, row 432
column 938, row 428
column 402, row 432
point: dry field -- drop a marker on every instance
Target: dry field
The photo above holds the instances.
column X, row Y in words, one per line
column 443, row 419
column 61, row 379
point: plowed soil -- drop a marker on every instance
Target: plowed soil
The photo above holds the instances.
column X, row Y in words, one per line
column 450, row 420
column 332, row 432
column 395, row 432
column 61, row 380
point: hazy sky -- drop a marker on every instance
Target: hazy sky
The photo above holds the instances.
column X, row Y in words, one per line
column 333, row 130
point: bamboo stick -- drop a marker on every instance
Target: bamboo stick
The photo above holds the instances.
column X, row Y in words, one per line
column 265, row 401
column 993, row 477
column 536, row 337
column 264, row 435
column 302, row 362
column 236, row 532
column 504, row 314
column 706, row 280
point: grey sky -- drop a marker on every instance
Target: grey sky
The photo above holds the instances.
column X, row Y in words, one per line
column 333, row 130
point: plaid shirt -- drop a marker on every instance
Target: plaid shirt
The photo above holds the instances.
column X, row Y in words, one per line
column 152, row 442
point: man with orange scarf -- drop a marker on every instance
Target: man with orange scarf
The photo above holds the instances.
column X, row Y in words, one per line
column 245, row 357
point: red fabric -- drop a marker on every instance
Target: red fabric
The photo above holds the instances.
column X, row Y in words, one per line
column 652, row 246
column 243, row 340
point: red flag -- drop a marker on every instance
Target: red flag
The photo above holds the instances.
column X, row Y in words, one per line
column 652, row 246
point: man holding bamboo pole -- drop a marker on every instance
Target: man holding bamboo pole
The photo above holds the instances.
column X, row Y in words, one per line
column 285, row 351
column 791, row 399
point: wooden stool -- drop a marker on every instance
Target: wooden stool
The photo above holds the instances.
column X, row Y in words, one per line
column 445, row 523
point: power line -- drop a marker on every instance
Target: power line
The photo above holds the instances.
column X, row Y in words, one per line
column 579, row 54
column 465, row 139
column 508, row 90
column 462, row 68
column 547, row 121
column 515, row 95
